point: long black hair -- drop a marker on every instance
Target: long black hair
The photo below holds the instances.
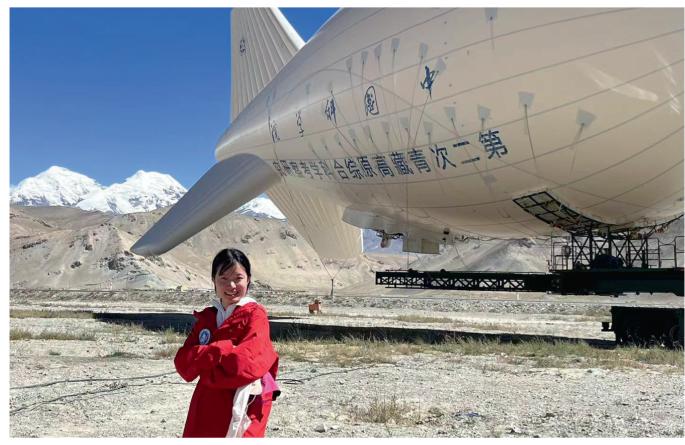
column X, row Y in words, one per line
column 226, row 259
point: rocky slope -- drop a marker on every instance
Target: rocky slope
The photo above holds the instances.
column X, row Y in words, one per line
column 59, row 247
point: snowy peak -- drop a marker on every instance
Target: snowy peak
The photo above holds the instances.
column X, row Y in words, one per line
column 141, row 192
column 143, row 178
column 261, row 207
column 56, row 186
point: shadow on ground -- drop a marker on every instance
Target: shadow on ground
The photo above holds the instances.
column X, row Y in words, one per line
column 284, row 328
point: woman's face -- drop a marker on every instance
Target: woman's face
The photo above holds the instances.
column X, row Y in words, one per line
column 231, row 285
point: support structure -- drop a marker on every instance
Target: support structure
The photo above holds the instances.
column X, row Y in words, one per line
column 600, row 261
column 616, row 251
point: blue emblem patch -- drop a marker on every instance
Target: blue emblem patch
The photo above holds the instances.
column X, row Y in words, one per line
column 205, row 335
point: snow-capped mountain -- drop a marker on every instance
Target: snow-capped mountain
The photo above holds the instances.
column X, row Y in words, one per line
column 56, row 186
column 261, row 207
column 142, row 192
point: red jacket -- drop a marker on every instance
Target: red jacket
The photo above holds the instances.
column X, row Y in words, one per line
column 238, row 352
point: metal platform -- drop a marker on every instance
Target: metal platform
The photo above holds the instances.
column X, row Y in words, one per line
column 491, row 281
column 579, row 282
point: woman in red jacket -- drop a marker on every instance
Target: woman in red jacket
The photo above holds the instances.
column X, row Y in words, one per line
column 230, row 349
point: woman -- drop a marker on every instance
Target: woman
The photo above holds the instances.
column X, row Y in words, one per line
column 229, row 348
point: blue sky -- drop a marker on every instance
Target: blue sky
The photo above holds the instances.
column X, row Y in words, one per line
column 108, row 92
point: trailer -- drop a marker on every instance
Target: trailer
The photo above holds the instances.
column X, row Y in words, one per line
column 647, row 325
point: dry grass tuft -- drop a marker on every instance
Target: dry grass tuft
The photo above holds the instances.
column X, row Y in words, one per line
column 22, row 334
column 128, row 329
column 165, row 353
column 348, row 352
column 544, row 354
column 383, row 410
column 535, row 353
column 170, row 336
column 33, row 313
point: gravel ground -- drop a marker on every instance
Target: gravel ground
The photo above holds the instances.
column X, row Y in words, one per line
column 120, row 382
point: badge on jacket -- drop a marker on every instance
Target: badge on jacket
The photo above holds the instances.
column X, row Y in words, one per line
column 205, row 335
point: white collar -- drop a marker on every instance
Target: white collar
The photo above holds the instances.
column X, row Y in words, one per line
column 222, row 314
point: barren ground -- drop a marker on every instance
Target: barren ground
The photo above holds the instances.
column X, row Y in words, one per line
column 119, row 381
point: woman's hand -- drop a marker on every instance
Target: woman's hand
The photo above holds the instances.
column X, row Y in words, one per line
column 214, row 351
